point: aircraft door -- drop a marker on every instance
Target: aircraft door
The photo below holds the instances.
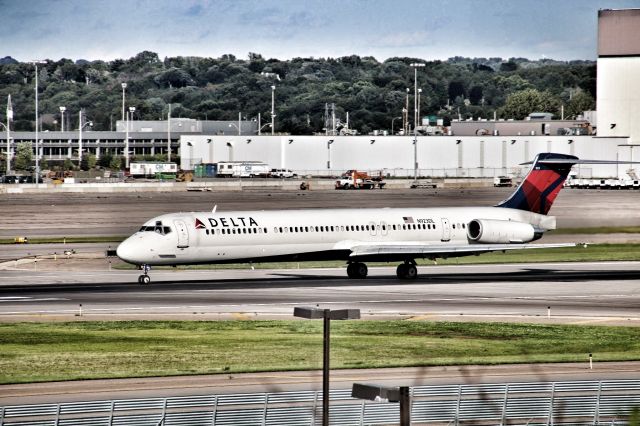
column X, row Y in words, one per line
column 372, row 228
column 183, row 234
column 446, row 230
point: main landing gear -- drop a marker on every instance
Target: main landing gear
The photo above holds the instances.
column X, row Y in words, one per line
column 145, row 278
column 407, row 270
column 357, row 270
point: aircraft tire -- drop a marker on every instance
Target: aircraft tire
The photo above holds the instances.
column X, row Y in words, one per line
column 357, row 270
column 361, row 270
column 407, row 271
column 144, row 279
column 411, row 272
column 350, row 270
column 401, row 271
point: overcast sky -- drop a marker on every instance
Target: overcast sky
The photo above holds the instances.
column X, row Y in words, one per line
column 428, row 29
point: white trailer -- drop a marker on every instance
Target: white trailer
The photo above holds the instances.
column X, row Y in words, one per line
column 151, row 169
column 243, row 169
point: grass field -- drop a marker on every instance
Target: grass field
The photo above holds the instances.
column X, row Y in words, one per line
column 32, row 352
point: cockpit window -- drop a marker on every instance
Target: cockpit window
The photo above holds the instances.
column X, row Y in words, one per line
column 158, row 228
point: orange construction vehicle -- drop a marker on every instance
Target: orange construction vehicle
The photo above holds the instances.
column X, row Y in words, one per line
column 353, row 179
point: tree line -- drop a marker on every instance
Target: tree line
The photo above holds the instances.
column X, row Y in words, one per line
column 372, row 92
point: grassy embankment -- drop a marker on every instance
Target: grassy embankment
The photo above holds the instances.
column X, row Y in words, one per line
column 32, row 352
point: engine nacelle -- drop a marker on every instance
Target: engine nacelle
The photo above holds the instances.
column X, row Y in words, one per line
column 492, row 231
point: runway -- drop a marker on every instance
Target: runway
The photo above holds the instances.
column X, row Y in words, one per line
column 578, row 293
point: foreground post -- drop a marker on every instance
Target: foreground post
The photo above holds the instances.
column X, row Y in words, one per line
column 327, row 315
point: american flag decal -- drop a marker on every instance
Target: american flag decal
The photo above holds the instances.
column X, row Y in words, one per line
column 408, row 219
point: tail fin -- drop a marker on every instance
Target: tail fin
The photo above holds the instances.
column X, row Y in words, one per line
column 542, row 184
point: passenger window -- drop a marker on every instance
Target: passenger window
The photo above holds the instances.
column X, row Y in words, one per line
column 265, row 230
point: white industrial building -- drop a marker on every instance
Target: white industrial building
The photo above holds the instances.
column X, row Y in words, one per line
column 618, row 129
column 437, row 156
column 618, row 90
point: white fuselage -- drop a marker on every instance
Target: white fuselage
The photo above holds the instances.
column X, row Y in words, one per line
column 244, row 236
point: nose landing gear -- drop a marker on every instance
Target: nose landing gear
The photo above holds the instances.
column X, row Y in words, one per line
column 145, row 278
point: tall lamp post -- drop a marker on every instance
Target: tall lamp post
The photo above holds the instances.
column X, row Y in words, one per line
column 419, row 117
column 37, row 179
column 126, row 139
column 415, row 66
column 124, row 86
column 273, row 113
column 8, row 129
column 407, row 125
column 326, row 315
column 62, row 110
column 169, row 135
column 81, row 126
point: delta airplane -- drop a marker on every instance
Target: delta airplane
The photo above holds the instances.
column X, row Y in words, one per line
column 356, row 235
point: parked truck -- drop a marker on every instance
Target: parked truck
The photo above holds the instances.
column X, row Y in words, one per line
column 354, row 179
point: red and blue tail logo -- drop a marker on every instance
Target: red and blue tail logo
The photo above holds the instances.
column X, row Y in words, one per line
column 543, row 183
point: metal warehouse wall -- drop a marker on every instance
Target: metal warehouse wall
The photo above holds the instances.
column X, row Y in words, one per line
column 437, row 155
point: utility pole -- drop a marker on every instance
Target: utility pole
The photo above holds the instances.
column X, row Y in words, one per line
column 169, row 134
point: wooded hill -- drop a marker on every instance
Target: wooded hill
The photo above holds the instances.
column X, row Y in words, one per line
column 372, row 92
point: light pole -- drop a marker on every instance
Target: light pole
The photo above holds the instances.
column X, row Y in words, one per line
column 8, row 129
column 169, row 134
column 273, row 113
column 407, row 125
column 329, row 149
column 327, row 315
column 405, row 118
column 377, row 393
column 126, row 139
column 124, row 86
column 35, row 63
column 392, row 120
column 80, row 128
column 419, row 117
column 415, row 66
column 62, row 110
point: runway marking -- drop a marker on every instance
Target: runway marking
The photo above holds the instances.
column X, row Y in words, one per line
column 15, row 299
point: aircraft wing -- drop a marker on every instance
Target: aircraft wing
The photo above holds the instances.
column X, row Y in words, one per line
column 433, row 250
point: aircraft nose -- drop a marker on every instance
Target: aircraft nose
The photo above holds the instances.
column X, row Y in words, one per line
column 127, row 251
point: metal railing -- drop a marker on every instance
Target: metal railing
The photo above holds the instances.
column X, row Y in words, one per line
column 542, row 403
